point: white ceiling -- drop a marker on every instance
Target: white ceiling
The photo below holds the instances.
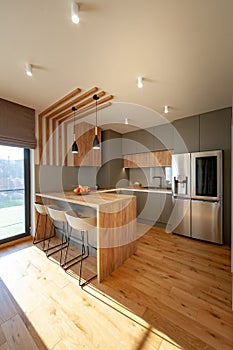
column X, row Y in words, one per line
column 182, row 48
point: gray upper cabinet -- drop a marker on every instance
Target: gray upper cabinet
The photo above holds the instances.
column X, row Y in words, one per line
column 129, row 143
column 139, row 141
column 186, row 135
column 215, row 133
column 215, row 130
column 163, row 137
column 145, row 141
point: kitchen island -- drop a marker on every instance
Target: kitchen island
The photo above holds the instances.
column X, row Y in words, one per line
column 116, row 224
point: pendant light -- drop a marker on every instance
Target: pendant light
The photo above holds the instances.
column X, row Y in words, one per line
column 96, row 143
column 74, row 146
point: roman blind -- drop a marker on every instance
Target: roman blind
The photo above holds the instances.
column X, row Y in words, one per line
column 17, row 125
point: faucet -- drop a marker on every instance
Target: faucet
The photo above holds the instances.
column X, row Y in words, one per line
column 160, row 180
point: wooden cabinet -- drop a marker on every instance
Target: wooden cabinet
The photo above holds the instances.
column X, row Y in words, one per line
column 86, row 156
column 139, row 160
column 148, row 159
column 163, row 158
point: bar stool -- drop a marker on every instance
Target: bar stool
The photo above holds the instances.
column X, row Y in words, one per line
column 84, row 225
column 58, row 216
column 42, row 211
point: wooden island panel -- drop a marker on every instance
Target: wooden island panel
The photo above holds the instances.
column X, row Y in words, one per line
column 117, row 235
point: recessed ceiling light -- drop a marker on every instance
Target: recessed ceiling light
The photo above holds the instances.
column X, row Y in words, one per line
column 74, row 12
column 28, row 69
column 166, row 109
column 139, row 82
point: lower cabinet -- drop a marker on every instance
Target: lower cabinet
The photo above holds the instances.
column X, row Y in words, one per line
column 167, row 208
column 154, row 208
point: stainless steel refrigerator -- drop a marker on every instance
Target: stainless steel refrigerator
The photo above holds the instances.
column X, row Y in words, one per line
column 197, row 195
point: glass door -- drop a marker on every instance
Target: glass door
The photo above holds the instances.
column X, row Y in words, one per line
column 207, row 175
column 14, row 193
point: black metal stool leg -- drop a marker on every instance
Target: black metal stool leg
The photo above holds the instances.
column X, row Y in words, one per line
column 37, row 224
column 81, row 261
column 45, row 225
column 73, row 261
column 60, row 246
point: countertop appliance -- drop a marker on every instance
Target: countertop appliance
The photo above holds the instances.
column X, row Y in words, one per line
column 197, row 195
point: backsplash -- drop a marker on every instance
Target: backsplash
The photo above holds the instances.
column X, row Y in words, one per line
column 151, row 177
column 58, row 178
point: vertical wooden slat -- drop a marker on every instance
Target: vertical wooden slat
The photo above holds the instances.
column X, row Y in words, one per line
column 47, row 143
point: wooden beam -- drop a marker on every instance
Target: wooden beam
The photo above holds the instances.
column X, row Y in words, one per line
column 61, row 101
column 70, row 120
column 79, row 107
column 73, row 102
column 86, row 108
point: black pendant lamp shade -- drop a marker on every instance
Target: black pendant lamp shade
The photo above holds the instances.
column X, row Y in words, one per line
column 96, row 143
column 74, row 146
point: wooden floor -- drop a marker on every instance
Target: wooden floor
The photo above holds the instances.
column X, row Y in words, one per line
column 174, row 293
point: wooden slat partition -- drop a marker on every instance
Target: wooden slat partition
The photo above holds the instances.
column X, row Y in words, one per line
column 50, row 121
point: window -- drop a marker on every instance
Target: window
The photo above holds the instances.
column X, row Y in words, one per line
column 14, row 193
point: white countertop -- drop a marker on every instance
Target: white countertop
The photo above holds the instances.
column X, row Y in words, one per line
column 139, row 189
column 94, row 199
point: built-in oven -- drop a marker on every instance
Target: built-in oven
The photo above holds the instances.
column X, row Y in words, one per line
column 206, row 176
